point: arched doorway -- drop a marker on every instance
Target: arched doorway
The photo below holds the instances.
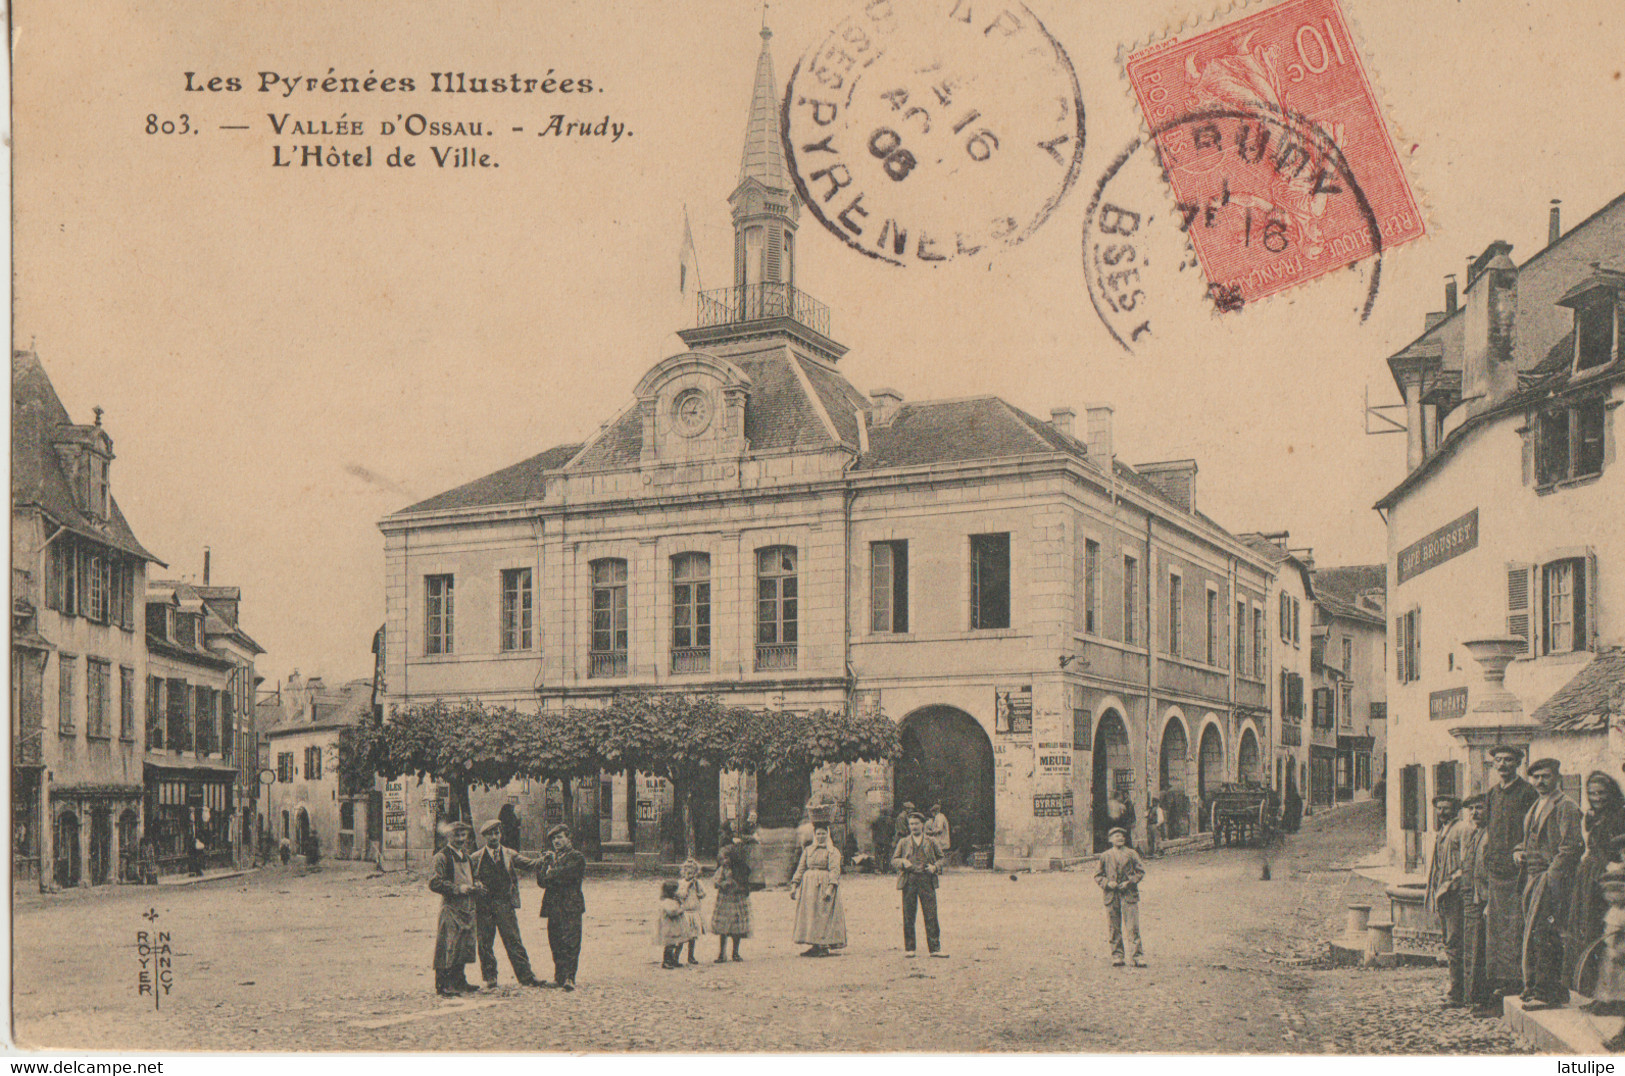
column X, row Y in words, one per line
column 1113, row 770
column 1247, row 771
column 67, row 849
column 1172, row 766
column 1209, row 769
column 302, row 821
column 101, row 846
column 948, row 759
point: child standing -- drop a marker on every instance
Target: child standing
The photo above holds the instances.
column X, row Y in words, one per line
column 671, row 926
column 730, row 913
column 1118, row 876
column 690, row 891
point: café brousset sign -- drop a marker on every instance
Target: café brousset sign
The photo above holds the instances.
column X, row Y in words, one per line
column 1451, row 540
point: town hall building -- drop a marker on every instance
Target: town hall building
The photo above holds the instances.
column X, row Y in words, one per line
column 1046, row 623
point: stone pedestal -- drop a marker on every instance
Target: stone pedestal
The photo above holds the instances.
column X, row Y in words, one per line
column 1359, row 917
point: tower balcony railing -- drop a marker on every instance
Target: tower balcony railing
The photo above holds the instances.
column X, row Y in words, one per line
column 755, row 302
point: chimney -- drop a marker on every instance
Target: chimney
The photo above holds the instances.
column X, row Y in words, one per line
column 1061, row 419
column 1554, row 226
column 205, row 565
column 1098, row 431
column 883, row 407
column 1450, row 294
column 1175, row 478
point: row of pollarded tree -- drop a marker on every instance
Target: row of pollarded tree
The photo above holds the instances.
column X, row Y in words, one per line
column 683, row 738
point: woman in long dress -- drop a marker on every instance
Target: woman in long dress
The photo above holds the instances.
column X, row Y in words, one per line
column 816, row 887
column 1604, row 824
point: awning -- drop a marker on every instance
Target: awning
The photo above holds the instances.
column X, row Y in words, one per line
column 1587, row 701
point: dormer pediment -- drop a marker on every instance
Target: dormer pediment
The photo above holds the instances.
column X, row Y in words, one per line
column 693, row 407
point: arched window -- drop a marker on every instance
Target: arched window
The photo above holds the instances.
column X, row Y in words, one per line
column 776, row 608
column 691, row 613
column 609, row 618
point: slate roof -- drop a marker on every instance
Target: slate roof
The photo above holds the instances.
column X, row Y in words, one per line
column 1338, row 590
column 1585, row 703
column 952, row 431
column 781, row 414
column 37, row 477
column 523, row 481
column 217, row 621
column 332, row 709
column 763, row 158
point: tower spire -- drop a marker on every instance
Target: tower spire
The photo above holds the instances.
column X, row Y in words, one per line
column 763, row 158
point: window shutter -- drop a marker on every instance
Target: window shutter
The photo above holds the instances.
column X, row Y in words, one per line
column 1415, row 663
column 1585, row 585
column 774, row 246
column 1518, row 605
column 1399, row 649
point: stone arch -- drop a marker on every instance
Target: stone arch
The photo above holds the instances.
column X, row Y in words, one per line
column 68, row 867
column 1173, row 772
column 1210, row 764
column 1112, row 757
column 948, row 759
column 1250, row 756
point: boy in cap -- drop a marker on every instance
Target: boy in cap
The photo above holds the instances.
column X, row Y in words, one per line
column 496, row 904
column 563, row 905
column 1553, row 840
column 1507, row 802
column 453, row 879
column 1118, row 875
column 1444, row 873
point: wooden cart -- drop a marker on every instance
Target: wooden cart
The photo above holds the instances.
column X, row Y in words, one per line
column 1241, row 814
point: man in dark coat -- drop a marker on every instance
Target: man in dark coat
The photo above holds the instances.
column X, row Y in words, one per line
column 454, row 942
column 918, row 861
column 1549, row 853
column 1474, row 890
column 496, row 905
column 563, row 905
column 1509, row 801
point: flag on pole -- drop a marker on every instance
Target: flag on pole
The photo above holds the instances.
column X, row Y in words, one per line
column 688, row 262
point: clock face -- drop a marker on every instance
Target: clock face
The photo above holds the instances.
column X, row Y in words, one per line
column 692, row 412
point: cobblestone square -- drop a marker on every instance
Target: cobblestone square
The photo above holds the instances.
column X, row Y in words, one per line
column 339, row 960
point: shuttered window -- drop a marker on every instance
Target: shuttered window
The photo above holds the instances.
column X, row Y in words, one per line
column 1565, row 612
column 1518, row 605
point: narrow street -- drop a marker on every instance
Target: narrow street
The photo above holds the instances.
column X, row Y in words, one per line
column 338, row 960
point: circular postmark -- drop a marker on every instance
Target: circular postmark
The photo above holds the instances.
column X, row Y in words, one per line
column 1226, row 205
column 920, row 131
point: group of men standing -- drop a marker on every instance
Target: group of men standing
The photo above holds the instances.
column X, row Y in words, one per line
column 480, row 900
column 1500, row 880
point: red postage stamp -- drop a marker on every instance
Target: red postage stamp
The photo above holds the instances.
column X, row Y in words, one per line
column 1276, row 149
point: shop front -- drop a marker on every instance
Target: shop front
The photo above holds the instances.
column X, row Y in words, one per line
column 185, row 806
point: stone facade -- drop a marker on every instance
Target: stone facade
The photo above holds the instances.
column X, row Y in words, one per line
column 1504, row 545
column 301, row 725
column 1031, row 610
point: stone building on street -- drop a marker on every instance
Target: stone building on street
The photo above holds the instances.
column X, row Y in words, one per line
column 1046, row 622
column 302, row 725
column 1351, row 675
column 78, row 656
column 1506, row 560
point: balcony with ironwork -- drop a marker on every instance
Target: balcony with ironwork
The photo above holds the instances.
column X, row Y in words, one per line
column 775, row 658
column 760, row 302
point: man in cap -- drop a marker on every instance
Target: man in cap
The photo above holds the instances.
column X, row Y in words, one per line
column 918, row 861
column 1553, row 840
column 563, row 905
column 454, row 945
column 1474, row 890
column 496, row 903
column 1118, row 875
column 1444, row 873
column 1508, row 802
